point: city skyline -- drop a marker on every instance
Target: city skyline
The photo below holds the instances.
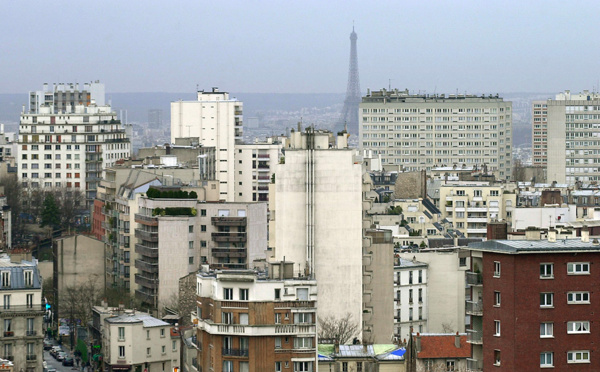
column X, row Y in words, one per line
column 277, row 47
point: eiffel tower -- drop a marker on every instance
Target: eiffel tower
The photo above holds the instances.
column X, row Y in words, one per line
column 349, row 116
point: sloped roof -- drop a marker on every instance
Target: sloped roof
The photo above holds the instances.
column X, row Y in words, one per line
column 442, row 346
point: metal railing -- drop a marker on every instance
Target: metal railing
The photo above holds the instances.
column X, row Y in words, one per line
column 235, row 352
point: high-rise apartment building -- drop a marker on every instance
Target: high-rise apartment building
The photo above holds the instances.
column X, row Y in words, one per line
column 419, row 132
column 216, row 120
column 570, row 126
column 155, row 119
column 247, row 321
column 69, row 147
column 64, row 97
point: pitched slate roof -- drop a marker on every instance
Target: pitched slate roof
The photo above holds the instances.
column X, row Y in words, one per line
column 441, row 345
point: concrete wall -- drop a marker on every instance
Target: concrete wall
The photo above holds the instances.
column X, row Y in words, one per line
column 446, row 290
column 79, row 258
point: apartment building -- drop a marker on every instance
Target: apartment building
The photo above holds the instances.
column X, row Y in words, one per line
column 216, row 120
column 248, row 321
column 316, row 213
column 22, row 314
column 439, row 352
column 570, row 126
column 176, row 235
column 134, row 341
column 63, row 97
column 471, row 205
column 254, row 168
column 410, row 297
column 419, row 132
column 69, row 148
column 534, row 293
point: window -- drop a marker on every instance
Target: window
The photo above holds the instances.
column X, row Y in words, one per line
column 277, row 342
column 580, row 356
column 546, row 271
column 148, row 351
column 244, row 318
column 7, row 325
column 546, row 359
column 496, row 357
column 203, row 212
column 578, row 297
column 6, row 279
column 300, row 318
column 496, row 269
column 410, row 277
column 121, row 333
column 191, row 244
column 228, row 293
column 203, row 228
column 305, row 366
column 359, row 367
column 578, row 327
column 344, row 366
column 277, row 294
column 30, row 326
column 121, row 351
column 29, row 299
column 546, row 330
column 302, row 342
column 277, row 318
column 450, row 365
column 163, row 349
column 546, row 299
column 7, row 301
column 496, row 328
column 244, row 366
column 162, row 332
column 496, row 298
column 227, row 318
column 243, row 294
column 147, row 335
column 227, row 366
column 191, row 228
column 578, row 268
column 191, row 260
column 277, row 366
column 420, row 276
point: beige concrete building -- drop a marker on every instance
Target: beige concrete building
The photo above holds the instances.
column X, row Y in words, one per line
column 22, row 314
column 317, row 218
column 471, row 205
column 569, row 125
column 410, row 297
column 135, row 341
column 254, row 166
column 419, row 132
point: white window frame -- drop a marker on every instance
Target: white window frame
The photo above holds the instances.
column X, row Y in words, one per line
column 544, row 303
column 546, row 359
column 497, row 328
column 121, row 333
column 578, row 356
column 228, row 294
column 578, row 327
column 244, row 294
column 544, row 268
column 497, row 268
column 580, row 297
column 498, row 360
column 578, row 268
column 547, row 330
column 497, row 298
column 121, row 352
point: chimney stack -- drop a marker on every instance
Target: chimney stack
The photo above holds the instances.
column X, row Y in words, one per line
column 585, row 234
column 336, row 347
column 457, row 340
column 418, row 342
column 552, row 236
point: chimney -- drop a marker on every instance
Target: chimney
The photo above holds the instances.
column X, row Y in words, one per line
column 418, row 342
column 104, row 304
column 585, row 234
column 532, row 234
column 365, row 348
column 336, row 347
column 552, row 236
column 457, row 340
column 595, row 242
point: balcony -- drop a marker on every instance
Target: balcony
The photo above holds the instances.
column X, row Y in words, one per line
column 476, row 230
column 31, row 333
column 145, row 296
column 228, row 221
column 146, row 251
column 9, row 334
column 263, row 156
column 233, row 237
column 474, row 278
column 146, row 235
column 477, row 219
column 151, row 267
column 146, row 282
column 31, row 358
column 261, row 330
column 474, row 308
column 229, row 252
column 146, row 220
column 473, row 365
column 235, row 352
column 474, row 336
column 23, row 309
column 9, row 357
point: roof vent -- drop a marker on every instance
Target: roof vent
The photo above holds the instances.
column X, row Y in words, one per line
column 595, row 242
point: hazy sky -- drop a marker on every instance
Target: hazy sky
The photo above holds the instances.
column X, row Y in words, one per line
column 300, row 46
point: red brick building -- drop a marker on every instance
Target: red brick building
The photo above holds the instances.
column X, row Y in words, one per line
column 532, row 304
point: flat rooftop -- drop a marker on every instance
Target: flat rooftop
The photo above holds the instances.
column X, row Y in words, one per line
column 536, row 246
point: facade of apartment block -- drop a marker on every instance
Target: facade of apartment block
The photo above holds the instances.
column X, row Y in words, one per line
column 410, row 297
column 252, row 322
column 420, row 132
column 538, row 293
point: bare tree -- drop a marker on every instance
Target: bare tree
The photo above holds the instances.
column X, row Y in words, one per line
column 518, row 171
column 76, row 301
column 342, row 329
column 70, row 204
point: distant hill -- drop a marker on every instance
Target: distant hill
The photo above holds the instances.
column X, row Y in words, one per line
column 138, row 104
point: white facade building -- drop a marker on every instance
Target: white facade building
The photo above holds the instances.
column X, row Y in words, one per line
column 410, row 297
column 216, row 120
column 420, row 132
column 254, row 166
column 70, row 148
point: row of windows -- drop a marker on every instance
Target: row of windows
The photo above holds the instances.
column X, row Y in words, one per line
column 547, row 298
column 49, row 175
column 547, row 269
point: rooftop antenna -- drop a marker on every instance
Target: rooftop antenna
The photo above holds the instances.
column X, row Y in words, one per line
column 389, row 84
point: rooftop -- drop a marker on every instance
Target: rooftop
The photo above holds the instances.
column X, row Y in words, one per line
column 442, row 345
column 146, row 319
column 535, row 246
column 410, row 263
column 357, row 351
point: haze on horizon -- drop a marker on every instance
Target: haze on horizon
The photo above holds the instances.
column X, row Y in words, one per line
column 300, row 47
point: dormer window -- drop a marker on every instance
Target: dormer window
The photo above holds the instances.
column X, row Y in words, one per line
column 5, row 279
column 28, row 278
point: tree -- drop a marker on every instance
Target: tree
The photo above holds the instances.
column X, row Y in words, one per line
column 518, row 174
column 13, row 190
column 50, row 212
column 70, row 203
column 342, row 329
column 76, row 302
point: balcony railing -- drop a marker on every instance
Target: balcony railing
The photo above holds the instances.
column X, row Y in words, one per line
column 234, row 237
column 229, row 252
column 146, row 251
column 474, row 336
column 228, row 221
column 146, row 282
column 474, row 308
column 474, row 278
column 146, row 220
column 473, row 365
column 235, row 352
column 23, row 309
column 151, row 236
column 31, row 333
column 147, row 266
column 31, row 357
column 9, row 357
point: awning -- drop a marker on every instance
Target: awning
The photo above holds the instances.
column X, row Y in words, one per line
column 120, row 367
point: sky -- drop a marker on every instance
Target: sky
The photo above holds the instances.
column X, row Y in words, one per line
column 288, row 46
